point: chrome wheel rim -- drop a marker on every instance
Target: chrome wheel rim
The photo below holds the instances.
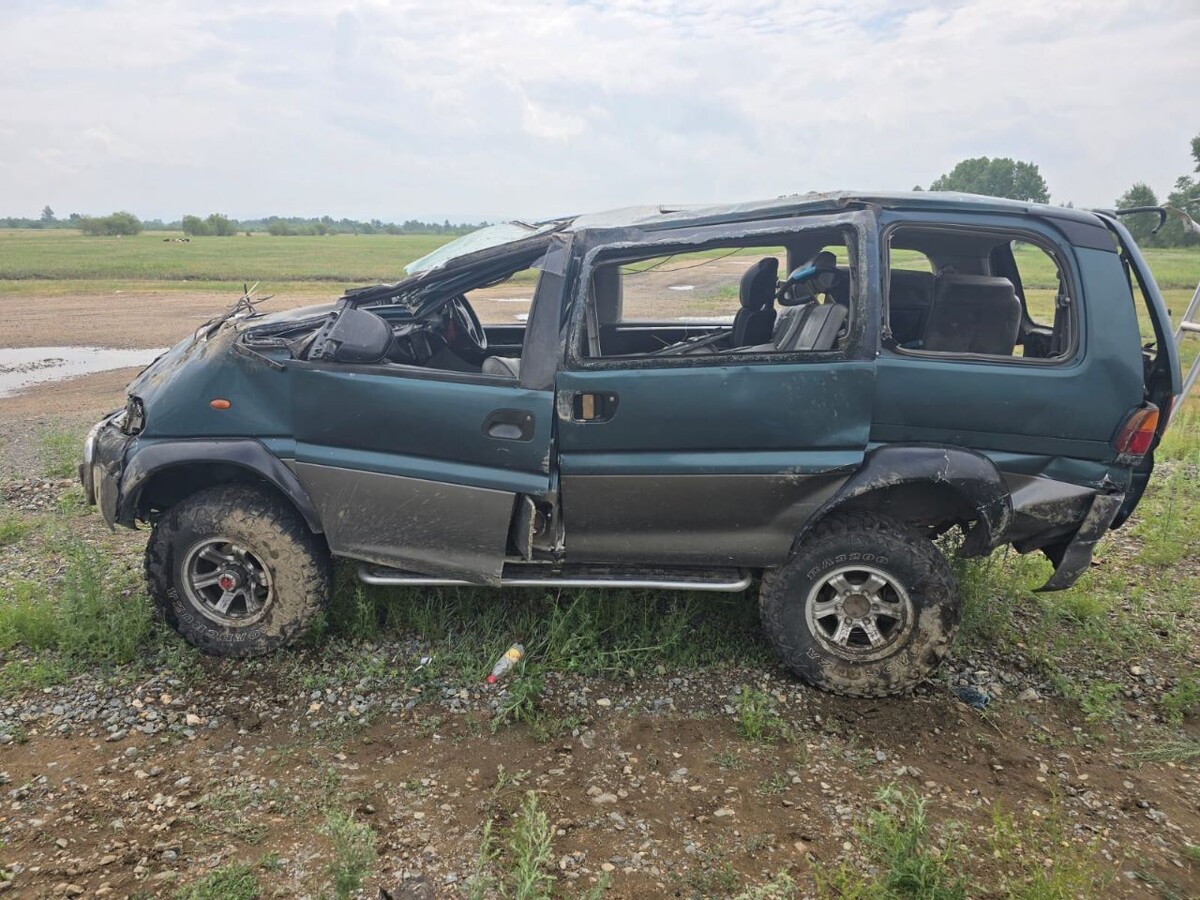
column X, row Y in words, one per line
column 859, row 612
column 227, row 581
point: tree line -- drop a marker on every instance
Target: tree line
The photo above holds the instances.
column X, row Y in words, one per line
column 218, row 225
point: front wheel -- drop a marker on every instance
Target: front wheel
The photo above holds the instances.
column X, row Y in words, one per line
column 866, row 606
column 236, row 571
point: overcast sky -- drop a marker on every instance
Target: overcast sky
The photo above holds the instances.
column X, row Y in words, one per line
column 473, row 109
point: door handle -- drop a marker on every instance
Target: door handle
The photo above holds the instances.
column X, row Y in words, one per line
column 510, row 425
column 591, row 406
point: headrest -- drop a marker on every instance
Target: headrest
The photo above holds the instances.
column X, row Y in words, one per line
column 825, row 260
column 758, row 284
column 986, row 289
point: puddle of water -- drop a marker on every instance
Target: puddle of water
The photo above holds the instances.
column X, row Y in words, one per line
column 23, row 367
column 681, row 287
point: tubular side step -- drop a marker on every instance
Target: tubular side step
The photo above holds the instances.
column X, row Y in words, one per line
column 729, row 580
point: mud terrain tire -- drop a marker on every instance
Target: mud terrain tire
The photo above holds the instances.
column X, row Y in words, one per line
column 866, row 606
column 292, row 563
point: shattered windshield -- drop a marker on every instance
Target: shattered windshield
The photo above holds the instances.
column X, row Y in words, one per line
column 483, row 239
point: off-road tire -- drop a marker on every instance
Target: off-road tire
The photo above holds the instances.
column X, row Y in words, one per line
column 297, row 560
column 880, row 543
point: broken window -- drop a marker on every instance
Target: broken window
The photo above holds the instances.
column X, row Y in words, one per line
column 781, row 295
column 976, row 292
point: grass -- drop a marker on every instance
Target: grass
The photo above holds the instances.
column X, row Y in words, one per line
column 594, row 633
column 93, row 615
column 897, row 841
column 1182, row 701
column 758, row 718
column 908, row 858
column 69, row 255
column 517, row 865
column 354, row 854
column 60, row 452
column 13, row 529
column 1101, row 702
column 235, row 881
column 781, row 886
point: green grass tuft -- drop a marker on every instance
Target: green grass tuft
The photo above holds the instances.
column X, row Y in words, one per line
column 758, row 717
column 235, row 881
column 897, row 840
column 60, row 453
column 354, row 852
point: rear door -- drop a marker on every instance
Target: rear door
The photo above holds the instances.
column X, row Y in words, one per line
column 1041, row 402
column 712, row 459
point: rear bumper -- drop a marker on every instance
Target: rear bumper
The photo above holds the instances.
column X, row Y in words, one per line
column 1077, row 553
column 103, row 464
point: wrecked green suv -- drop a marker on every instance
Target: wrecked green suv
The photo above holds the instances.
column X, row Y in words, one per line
column 804, row 392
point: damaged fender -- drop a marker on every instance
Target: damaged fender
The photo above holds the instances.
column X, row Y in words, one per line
column 971, row 476
column 153, row 459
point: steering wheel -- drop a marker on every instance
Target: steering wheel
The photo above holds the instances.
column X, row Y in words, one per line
column 464, row 333
column 820, row 275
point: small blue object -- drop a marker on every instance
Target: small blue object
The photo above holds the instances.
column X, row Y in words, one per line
column 802, row 273
column 973, row 697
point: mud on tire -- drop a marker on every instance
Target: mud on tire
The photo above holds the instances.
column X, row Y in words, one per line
column 866, row 606
column 292, row 561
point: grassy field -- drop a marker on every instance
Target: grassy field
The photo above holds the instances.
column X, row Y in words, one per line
column 70, row 256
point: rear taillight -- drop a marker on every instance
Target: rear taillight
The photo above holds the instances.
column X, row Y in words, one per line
column 1137, row 434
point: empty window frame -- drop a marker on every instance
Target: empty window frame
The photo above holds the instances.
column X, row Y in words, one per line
column 974, row 292
column 781, row 295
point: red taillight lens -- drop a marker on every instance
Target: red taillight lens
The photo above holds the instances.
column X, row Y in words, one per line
column 1137, row 434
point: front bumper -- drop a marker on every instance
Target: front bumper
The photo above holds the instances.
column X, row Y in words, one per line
column 103, row 463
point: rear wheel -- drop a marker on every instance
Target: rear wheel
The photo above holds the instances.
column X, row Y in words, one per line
column 866, row 606
column 236, row 571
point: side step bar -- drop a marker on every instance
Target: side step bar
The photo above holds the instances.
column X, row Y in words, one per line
column 729, row 581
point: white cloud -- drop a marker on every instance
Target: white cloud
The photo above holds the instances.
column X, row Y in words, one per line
column 488, row 108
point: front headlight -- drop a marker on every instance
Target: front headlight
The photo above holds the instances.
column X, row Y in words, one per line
column 89, row 444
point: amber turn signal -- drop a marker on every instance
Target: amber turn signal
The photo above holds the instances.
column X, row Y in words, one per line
column 1137, row 434
column 220, row 403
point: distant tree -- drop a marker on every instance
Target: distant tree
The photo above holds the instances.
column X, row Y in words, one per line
column 221, row 226
column 48, row 215
column 116, row 224
column 1140, row 226
column 999, row 177
column 126, row 223
column 194, row 226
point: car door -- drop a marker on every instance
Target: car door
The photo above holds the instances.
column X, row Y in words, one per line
column 716, row 460
column 419, row 468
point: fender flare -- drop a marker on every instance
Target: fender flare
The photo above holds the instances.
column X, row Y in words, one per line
column 971, row 475
column 143, row 463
